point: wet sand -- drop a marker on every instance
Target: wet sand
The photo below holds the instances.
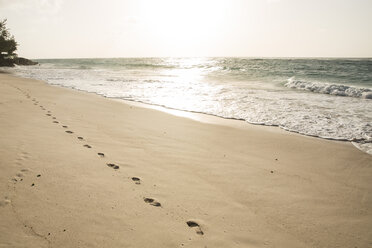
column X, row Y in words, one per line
column 81, row 170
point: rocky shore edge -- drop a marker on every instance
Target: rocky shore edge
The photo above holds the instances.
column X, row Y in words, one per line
column 11, row 62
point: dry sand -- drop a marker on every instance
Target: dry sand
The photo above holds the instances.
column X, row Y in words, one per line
column 236, row 187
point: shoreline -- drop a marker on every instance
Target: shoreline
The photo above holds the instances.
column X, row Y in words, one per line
column 209, row 118
column 178, row 182
column 219, row 120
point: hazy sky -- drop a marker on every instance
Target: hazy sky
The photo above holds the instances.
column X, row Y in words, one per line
column 149, row 28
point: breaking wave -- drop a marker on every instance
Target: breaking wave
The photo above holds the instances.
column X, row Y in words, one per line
column 331, row 89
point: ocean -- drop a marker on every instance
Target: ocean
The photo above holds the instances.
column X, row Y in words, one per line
column 325, row 98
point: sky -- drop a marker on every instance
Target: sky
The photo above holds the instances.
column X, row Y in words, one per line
column 190, row 28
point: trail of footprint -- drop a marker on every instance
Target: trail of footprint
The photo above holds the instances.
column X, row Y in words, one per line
column 137, row 180
column 194, row 224
column 152, row 202
column 21, row 221
column 114, row 166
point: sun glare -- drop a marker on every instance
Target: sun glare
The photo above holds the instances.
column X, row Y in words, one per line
column 181, row 27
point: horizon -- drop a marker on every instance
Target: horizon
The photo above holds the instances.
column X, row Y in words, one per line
column 242, row 57
column 58, row 29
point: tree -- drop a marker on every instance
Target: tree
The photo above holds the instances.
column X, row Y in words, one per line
column 8, row 45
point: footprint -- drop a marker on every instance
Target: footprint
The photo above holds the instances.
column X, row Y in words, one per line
column 24, row 155
column 101, row 154
column 65, row 126
column 55, row 122
column 195, row 225
column 136, row 180
column 4, row 202
column 18, row 177
column 68, row 131
column 19, row 174
column 80, row 138
column 48, row 114
column 54, row 118
column 114, row 166
column 152, row 202
column 87, row 146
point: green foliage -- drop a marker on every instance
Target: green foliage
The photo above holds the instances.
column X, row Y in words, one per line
column 8, row 45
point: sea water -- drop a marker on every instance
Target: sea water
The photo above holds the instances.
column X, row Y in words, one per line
column 326, row 98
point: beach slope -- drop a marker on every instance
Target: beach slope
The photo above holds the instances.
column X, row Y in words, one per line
column 81, row 170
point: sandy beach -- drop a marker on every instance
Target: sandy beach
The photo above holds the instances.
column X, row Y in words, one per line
column 81, row 170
